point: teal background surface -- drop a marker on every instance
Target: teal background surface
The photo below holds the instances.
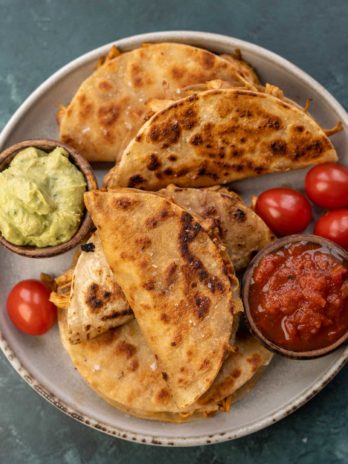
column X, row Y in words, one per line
column 39, row 36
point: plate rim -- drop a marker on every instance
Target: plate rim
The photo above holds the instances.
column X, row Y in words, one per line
column 129, row 43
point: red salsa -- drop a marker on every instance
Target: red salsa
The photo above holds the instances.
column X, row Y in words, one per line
column 299, row 297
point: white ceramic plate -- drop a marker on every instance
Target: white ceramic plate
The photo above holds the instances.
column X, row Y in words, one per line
column 42, row 362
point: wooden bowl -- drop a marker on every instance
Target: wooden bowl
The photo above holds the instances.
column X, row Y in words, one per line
column 86, row 222
column 247, row 280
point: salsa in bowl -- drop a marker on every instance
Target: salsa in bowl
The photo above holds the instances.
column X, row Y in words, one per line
column 295, row 294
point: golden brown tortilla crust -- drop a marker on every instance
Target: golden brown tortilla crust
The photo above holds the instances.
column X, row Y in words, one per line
column 97, row 303
column 110, row 105
column 220, row 136
column 121, row 368
column 178, row 287
column 120, row 365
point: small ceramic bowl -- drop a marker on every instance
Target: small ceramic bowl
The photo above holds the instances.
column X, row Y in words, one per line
column 86, row 222
column 247, row 282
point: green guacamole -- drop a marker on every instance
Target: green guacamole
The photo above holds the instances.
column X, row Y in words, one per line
column 41, row 198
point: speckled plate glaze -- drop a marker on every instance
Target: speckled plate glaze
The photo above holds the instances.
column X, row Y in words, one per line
column 284, row 386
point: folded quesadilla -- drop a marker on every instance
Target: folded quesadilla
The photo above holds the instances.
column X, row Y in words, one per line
column 183, row 293
column 96, row 303
column 110, row 105
column 121, row 368
column 220, row 136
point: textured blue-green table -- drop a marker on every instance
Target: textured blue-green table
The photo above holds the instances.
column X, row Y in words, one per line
column 37, row 37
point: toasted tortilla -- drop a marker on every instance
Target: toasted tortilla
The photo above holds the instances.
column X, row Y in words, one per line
column 97, row 303
column 220, row 136
column 110, row 105
column 91, row 278
column 175, row 280
column 242, row 231
column 121, row 368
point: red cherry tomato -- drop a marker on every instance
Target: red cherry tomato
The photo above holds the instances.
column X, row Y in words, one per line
column 284, row 210
column 29, row 307
column 334, row 226
column 327, row 185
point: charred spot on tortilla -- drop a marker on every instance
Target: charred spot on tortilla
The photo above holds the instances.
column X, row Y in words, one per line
column 117, row 314
column 153, row 221
column 105, row 86
column 85, row 111
column 95, row 298
column 134, row 365
column 136, row 73
column 274, row 123
column 167, row 133
column 163, row 395
column 236, row 373
column 127, row 349
column 279, row 147
column 122, row 203
column 149, row 285
column 203, row 304
column 154, row 163
column 143, row 241
column 108, row 114
column 203, row 171
column 164, row 317
column 255, row 361
column 177, row 72
column 168, row 172
column 210, row 210
column 88, row 247
column 208, row 59
column 205, row 364
column 187, row 117
column 170, row 274
column 135, row 180
column 196, row 139
column 239, row 215
column 189, row 231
